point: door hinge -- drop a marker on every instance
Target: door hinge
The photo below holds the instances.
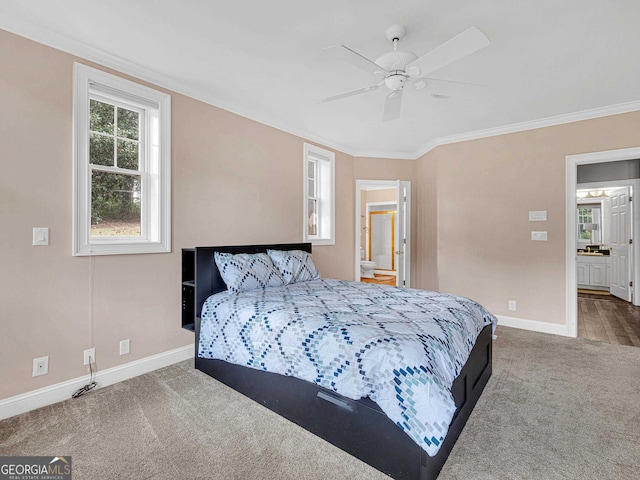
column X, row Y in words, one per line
column 631, row 284
column 631, row 241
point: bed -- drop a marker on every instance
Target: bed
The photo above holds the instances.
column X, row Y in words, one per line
column 357, row 426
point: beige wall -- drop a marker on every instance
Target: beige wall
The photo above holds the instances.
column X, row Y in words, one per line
column 234, row 181
column 473, row 224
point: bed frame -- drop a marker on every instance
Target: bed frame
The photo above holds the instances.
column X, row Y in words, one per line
column 358, row 427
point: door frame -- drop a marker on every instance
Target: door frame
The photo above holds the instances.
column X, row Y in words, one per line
column 360, row 184
column 571, row 234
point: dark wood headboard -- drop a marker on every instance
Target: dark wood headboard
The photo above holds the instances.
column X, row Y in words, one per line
column 208, row 279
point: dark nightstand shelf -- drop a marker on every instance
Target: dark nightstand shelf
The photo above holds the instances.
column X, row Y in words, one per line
column 188, row 288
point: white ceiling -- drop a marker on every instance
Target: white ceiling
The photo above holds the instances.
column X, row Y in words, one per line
column 549, row 61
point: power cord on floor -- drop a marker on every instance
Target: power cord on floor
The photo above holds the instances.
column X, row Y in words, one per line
column 89, row 386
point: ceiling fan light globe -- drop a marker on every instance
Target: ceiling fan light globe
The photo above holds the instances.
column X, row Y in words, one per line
column 395, row 82
column 420, row 84
column 413, row 71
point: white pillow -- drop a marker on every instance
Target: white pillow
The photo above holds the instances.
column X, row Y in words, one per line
column 294, row 265
column 247, row 271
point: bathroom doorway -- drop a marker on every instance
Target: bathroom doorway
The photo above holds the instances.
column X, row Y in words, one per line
column 608, row 161
column 383, row 231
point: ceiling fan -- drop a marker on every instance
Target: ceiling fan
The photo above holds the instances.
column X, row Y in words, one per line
column 398, row 68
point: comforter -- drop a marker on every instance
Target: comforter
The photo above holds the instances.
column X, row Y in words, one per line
column 403, row 348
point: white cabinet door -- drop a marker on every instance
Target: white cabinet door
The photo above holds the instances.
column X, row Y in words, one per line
column 583, row 274
column 598, row 275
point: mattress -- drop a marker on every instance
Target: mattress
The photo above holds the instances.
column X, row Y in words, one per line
column 403, row 348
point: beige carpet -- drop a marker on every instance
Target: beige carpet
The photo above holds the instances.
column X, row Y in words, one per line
column 555, row 408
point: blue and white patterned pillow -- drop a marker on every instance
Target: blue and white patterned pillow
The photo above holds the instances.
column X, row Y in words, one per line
column 246, row 271
column 294, row 265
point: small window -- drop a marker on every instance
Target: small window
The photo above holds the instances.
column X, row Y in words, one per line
column 589, row 225
column 121, row 166
column 319, row 196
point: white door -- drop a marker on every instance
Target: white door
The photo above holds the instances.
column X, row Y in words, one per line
column 403, row 234
column 620, row 244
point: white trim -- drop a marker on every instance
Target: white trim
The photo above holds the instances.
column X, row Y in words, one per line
column 532, row 125
column 533, row 325
column 87, row 80
column 55, row 40
column 571, row 168
column 62, row 391
column 324, row 158
column 407, row 227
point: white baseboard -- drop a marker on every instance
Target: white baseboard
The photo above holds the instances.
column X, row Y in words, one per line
column 534, row 325
column 62, row 391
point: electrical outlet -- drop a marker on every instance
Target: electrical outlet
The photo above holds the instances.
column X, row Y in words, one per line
column 89, row 356
column 512, row 305
column 40, row 366
column 124, row 346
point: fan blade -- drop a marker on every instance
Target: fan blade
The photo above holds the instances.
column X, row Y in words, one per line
column 392, row 105
column 463, row 44
column 354, row 58
column 349, row 94
column 449, row 88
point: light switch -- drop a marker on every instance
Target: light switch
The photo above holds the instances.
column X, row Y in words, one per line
column 40, row 236
column 538, row 216
column 539, row 236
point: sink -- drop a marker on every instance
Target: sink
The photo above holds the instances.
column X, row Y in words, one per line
column 594, row 252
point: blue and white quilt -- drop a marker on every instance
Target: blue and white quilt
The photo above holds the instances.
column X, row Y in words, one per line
column 403, row 348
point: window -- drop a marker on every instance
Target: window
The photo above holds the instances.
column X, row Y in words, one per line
column 589, row 224
column 121, row 166
column 319, row 196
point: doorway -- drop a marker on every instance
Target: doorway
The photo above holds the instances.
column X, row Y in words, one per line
column 382, row 225
column 604, row 266
column 572, row 163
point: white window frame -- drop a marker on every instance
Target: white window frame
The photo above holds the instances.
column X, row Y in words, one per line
column 155, row 164
column 325, row 195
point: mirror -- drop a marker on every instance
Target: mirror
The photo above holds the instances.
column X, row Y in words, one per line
column 381, row 239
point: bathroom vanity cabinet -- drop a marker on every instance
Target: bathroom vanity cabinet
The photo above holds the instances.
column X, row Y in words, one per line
column 594, row 271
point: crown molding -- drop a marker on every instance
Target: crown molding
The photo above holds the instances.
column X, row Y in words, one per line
column 532, row 125
column 83, row 51
column 386, row 155
column 61, row 42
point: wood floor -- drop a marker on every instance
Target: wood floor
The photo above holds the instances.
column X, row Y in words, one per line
column 608, row 319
